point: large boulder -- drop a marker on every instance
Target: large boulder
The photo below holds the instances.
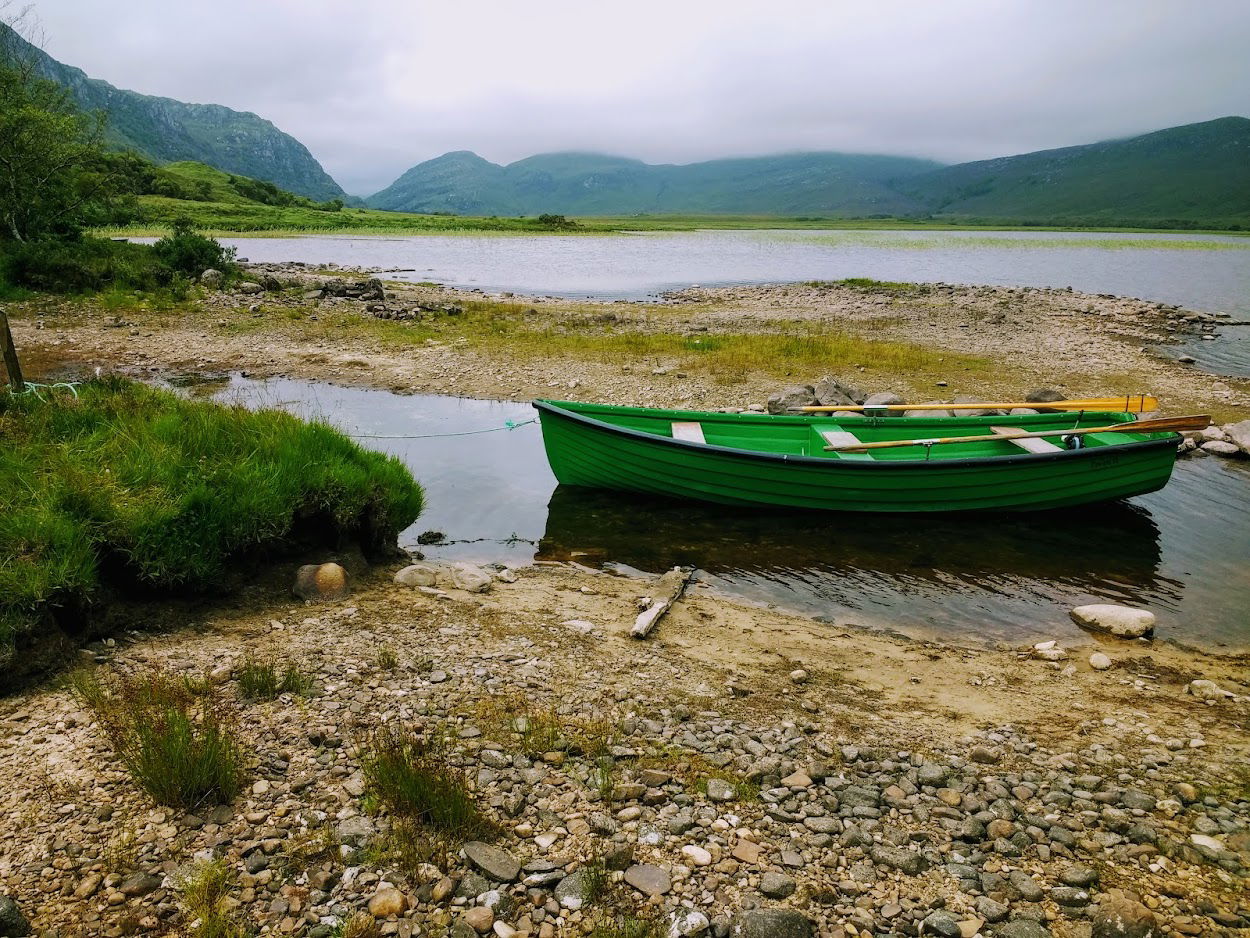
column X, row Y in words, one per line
column 251, row 287
column 829, row 390
column 470, row 578
column 270, row 284
column 940, row 412
column 416, row 574
column 883, row 398
column 372, row 290
column 324, row 582
column 1118, row 916
column 972, row 411
column 499, row 865
column 1121, row 621
column 212, row 278
column 771, row 923
column 1239, row 433
column 796, row 395
column 1044, row 396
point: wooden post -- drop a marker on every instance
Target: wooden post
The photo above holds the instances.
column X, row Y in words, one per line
column 11, row 364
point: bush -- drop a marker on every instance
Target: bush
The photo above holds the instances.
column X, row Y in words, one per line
column 172, row 736
column 190, row 253
column 83, row 265
column 132, row 485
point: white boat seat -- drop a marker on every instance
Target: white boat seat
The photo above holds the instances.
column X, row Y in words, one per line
column 1032, row 444
column 689, row 430
column 843, row 438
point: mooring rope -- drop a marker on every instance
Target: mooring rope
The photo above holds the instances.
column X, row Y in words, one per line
column 32, row 387
column 508, row 425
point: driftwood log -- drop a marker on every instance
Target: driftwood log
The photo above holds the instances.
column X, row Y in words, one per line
column 668, row 590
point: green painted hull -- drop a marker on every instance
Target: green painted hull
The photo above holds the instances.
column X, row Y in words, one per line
column 761, row 460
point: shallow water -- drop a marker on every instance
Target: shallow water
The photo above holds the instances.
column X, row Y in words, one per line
column 1204, row 272
column 1181, row 552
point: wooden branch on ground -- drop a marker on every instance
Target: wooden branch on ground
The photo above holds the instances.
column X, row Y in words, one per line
column 9, row 352
column 670, row 587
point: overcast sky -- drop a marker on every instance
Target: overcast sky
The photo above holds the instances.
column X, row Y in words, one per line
column 374, row 86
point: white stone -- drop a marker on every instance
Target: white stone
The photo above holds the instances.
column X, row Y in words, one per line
column 416, row 574
column 1239, row 433
column 1122, row 621
column 687, row 923
column 697, row 855
column 1099, row 662
column 1207, row 690
column 470, row 578
column 1202, row 840
column 579, row 625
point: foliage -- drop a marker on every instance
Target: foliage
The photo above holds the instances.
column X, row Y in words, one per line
column 205, row 898
column 556, row 221
column 131, row 485
column 85, row 265
column 173, row 737
column 47, row 146
column 187, row 252
column 260, row 680
column 415, row 780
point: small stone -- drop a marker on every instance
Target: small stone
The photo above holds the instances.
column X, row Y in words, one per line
column 941, row 923
column 1099, row 662
column 798, row 676
column 1025, row 885
column 88, row 887
column 355, row 831
column 777, row 885
column 139, row 884
column 470, row 578
column 649, row 880
column 324, row 582
column 797, row 780
column 1206, row 690
column 992, row 911
column 771, row 923
column 720, row 790
column 386, row 902
column 697, row 855
column 747, row 852
column 416, row 574
column 687, row 923
column 479, row 918
column 1023, row 928
column 1120, row 917
column 984, row 755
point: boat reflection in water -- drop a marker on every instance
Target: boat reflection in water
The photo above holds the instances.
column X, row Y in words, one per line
column 934, row 572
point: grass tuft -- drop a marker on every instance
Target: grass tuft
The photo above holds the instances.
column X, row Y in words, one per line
column 173, row 737
column 358, row 925
column 205, row 891
column 259, row 680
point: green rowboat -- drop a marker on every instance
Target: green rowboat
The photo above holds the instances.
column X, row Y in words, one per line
column 763, row 460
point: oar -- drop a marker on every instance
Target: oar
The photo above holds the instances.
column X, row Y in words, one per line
column 1161, row 425
column 1134, row 404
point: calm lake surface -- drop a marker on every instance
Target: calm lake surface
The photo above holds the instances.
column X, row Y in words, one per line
column 1182, row 552
column 1204, row 272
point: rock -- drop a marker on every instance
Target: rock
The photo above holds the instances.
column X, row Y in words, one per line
column 139, row 884
column 88, row 887
column 480, row 918
column 926, row 412
column 495, row 863
column 251, row 288
column 1239, row 434
column 1099, row 662
column 747, row 852
column 771, row 923
column 1206, row 690
column 270, row 284
column 831, row 391
column 1025, row 885
column 1043, row 396
column 905, row 861
column 1120, row 917
column 649, row 880
column 992, row 911
column 386, row 902
column 1206, row 842
column 1121, row 621
column 571, row 891
column 13, row 923
column 416, row 574
column 470, row 578
column 796, row 395
column 371, row 289
column 720, row 790
column 687, row 923
column 777, row 885
column 212, row 279
column 984, row 755
column 355, row 831
column 971, row 411
column 1023, row 928
column 931, row 773
column 324, row 582
column 697, row 855
column 942, row 923
column 880, row 399
column 1220, row 448
column 1022, row 411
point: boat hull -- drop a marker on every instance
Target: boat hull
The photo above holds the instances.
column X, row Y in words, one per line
column 584, row 450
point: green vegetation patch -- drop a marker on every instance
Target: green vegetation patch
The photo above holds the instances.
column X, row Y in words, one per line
column 135, row 486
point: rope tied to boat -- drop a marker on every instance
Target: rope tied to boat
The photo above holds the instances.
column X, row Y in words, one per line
column 33, row 387
column 507, row 425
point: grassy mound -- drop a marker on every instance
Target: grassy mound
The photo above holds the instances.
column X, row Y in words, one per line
column 133, row 486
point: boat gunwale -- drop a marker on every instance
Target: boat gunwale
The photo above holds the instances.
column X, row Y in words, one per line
column 966, row 462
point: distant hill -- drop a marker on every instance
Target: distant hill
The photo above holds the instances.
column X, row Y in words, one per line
column 166, row 130
column 1199, row 172
column 593, row 184
column 1194, row 175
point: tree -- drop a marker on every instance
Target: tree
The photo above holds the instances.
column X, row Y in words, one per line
column 50, row 151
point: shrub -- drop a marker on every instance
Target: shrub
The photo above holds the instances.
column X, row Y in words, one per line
column 415, row 781
column 172, row 736
column 186, row 251
column 83, row 265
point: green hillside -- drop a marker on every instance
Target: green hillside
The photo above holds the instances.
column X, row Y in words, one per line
column 1195, row 173
column 166, row 130
column 593, row 184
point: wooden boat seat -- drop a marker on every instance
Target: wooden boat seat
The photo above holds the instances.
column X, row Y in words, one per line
column 842, row 438
column 1033, row 444
column 689, row 430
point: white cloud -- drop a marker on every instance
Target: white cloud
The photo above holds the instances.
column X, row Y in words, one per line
column 372, row 87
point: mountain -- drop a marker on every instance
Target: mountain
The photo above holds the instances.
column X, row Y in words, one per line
column 1195, row 172
column 594, row 184
column 1191, row 175
column 167, row 131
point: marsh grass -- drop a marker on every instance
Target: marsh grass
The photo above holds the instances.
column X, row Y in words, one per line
column 260, row 680
column 358, row 925
column 415, row 780
column 175, row 738
column 138, row 487
column 539, row 728
column 204, row 894
column 387, row 659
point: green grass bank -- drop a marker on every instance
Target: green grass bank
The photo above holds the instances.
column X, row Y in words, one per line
column 128, row 489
